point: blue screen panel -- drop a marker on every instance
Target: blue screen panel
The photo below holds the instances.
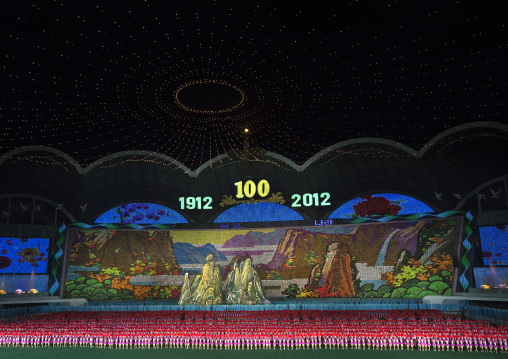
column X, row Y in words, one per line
column 380, row 204
column 490, row 277
column 494, row 240
column 141, row 213
column 23, row 255
column 10, row 283
column 259, row 212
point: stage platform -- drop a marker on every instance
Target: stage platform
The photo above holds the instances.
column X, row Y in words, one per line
column 464, row 297
column 35, row 299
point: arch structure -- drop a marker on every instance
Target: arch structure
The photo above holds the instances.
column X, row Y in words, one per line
column 56, row 206
column 481, row 193
column 194, row 173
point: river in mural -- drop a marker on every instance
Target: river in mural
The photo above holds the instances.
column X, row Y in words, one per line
column 408, row 259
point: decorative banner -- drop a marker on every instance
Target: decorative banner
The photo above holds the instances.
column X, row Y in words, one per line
column 463, row 280
column 56, row 261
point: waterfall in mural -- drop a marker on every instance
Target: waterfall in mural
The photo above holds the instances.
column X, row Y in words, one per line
column 384, row 248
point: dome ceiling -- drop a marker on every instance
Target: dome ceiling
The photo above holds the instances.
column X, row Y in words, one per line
column 185, row 79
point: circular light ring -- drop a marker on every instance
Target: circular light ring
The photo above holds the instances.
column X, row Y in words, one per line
column 210, row 112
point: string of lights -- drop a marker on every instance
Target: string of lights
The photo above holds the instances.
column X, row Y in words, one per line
column 184, row 80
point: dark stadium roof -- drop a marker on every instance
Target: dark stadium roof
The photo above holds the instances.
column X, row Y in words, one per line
column 185, row 78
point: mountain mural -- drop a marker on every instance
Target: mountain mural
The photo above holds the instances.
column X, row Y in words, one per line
column 379, row 244
column 368, row 260
column 121, row 250
column 186, row 253
column 254, row 238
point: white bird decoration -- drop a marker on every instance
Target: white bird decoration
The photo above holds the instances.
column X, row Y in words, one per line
column 83, row 207
column 59, row 206
column 495, row 194
column 24, row 207
column 438, row 195
column 457, row 195
column 38, row 207
column 5, row 213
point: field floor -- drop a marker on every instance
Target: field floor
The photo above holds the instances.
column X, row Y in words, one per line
column 87, row 353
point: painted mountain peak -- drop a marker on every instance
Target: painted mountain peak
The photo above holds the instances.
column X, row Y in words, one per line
column 186, row 253
column 300, row 250
column 255, row 238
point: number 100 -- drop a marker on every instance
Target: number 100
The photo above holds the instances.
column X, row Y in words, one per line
column 249, row 189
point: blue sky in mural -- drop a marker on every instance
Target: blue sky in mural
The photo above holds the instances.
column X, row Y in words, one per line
column 260, row 212
column 494, row 240
column 23, row 255
column 141, row 213
column 395, row 204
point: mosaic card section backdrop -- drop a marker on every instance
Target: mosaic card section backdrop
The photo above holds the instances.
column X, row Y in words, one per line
column 397, row 259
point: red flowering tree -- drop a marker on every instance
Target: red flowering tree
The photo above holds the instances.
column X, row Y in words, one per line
column 375, row 206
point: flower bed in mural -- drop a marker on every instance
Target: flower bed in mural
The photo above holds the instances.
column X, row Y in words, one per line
column 106, row 287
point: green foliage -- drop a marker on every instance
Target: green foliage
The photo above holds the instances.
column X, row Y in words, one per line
column 410, row 283
column 434, row 278
column 117, row 298
column 113, row 271
column 98, row 285
column 439, row 286
column 386, row 295
column 126, row 292
column 399, row 292
column 99, row 291
column 414, row 291
column 81, row 286
column 367, row 287
column 112, row 292
column 129, row 297
column 445, row 273
column 374, row 294
column 448, row 292
column 88, row 290
column 423, row 284
column 407, row 273
column 292, row 290
column 80, row 279
column 70, row 286
column 360, row 294
column 85, row 296
column 91, row 281
column 99, row 297
column 385, row 289
column 311, row 259
column 74, row 294
column 423, row 293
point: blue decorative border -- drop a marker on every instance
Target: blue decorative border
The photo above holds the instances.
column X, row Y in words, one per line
column 389, row 218
column 120, row 226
